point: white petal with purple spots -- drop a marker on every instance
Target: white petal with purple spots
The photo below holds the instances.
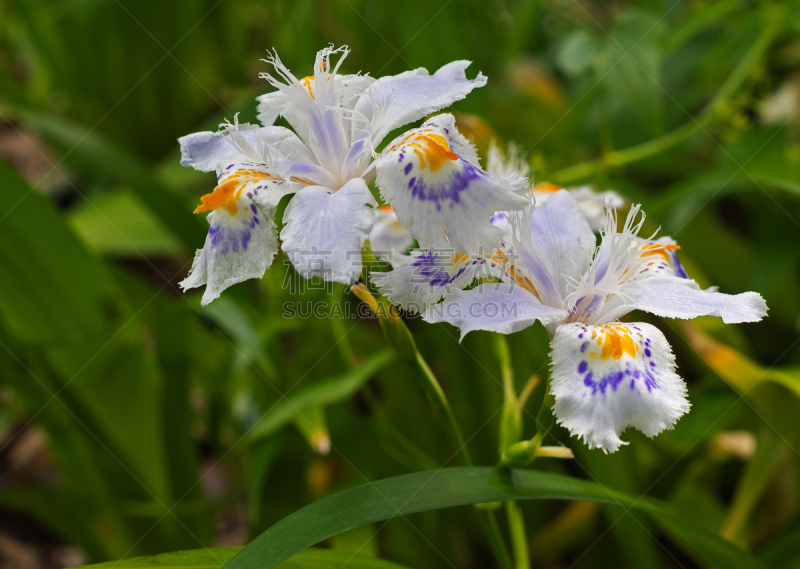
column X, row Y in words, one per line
column 241, row 241
column 607, row 378
column 442, row 197
column 425, row 277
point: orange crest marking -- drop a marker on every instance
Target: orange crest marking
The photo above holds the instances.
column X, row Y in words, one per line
column 505, row 264
column 657, row 249
column 227, row 193
column 429, row 147
column 616, row 341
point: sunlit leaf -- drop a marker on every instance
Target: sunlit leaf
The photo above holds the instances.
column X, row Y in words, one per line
column 119, row 224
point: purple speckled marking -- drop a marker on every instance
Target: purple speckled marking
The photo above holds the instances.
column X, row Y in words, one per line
column 611, row 380
column 450, row 190
column 647, row 352
column 229, row 166
column 580, row 335
column 411, row 182
column 253, row 207
column 226, row 240
column 652, row 364
column 582, row 366
column 433, row 271
column 215, row 233
column 678, row 266
column 633, row 384
column 584, row 346
column 407, row 169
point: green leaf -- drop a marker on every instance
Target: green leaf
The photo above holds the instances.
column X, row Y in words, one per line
column 52, row 287
column 119, row 224
column 737, row 369
column 632, row 533
column 98, row 154
column 632, row 71
column 759, row 470
column 214, row 559
column 229, row 315
column 448, row 487
column 263, row 460
column 579, row 52
column 325, row 392
column 313, row 425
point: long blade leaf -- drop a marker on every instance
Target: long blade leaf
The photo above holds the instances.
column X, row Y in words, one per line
column 448, row 487
column 214, row 559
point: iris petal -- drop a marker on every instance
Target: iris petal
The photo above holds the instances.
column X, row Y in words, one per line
column 242, row 240
column 609, row 377
column 325, row 230
column 431, row 177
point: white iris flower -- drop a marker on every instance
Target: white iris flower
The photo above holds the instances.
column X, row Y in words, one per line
column 429, row 175
column 606, row 374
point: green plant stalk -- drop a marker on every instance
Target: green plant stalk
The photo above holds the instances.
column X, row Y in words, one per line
column 653, row 147
column 407, row 452
column 509, row 433
column 435, row 393
column 519, row 540
column 524, row 452
column 399, row 337
column 511, row 417
column 340, row 333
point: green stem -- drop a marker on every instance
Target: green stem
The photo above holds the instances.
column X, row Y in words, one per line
column 396, row 443
column 511, row 416
column 509, row 433
column 519, row 540
column 399, row 336
column 434, row 391
column 340, row 333
column 653, row 147
column 492, row 530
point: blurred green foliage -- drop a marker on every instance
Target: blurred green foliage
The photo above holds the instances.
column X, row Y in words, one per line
column 166, row 420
